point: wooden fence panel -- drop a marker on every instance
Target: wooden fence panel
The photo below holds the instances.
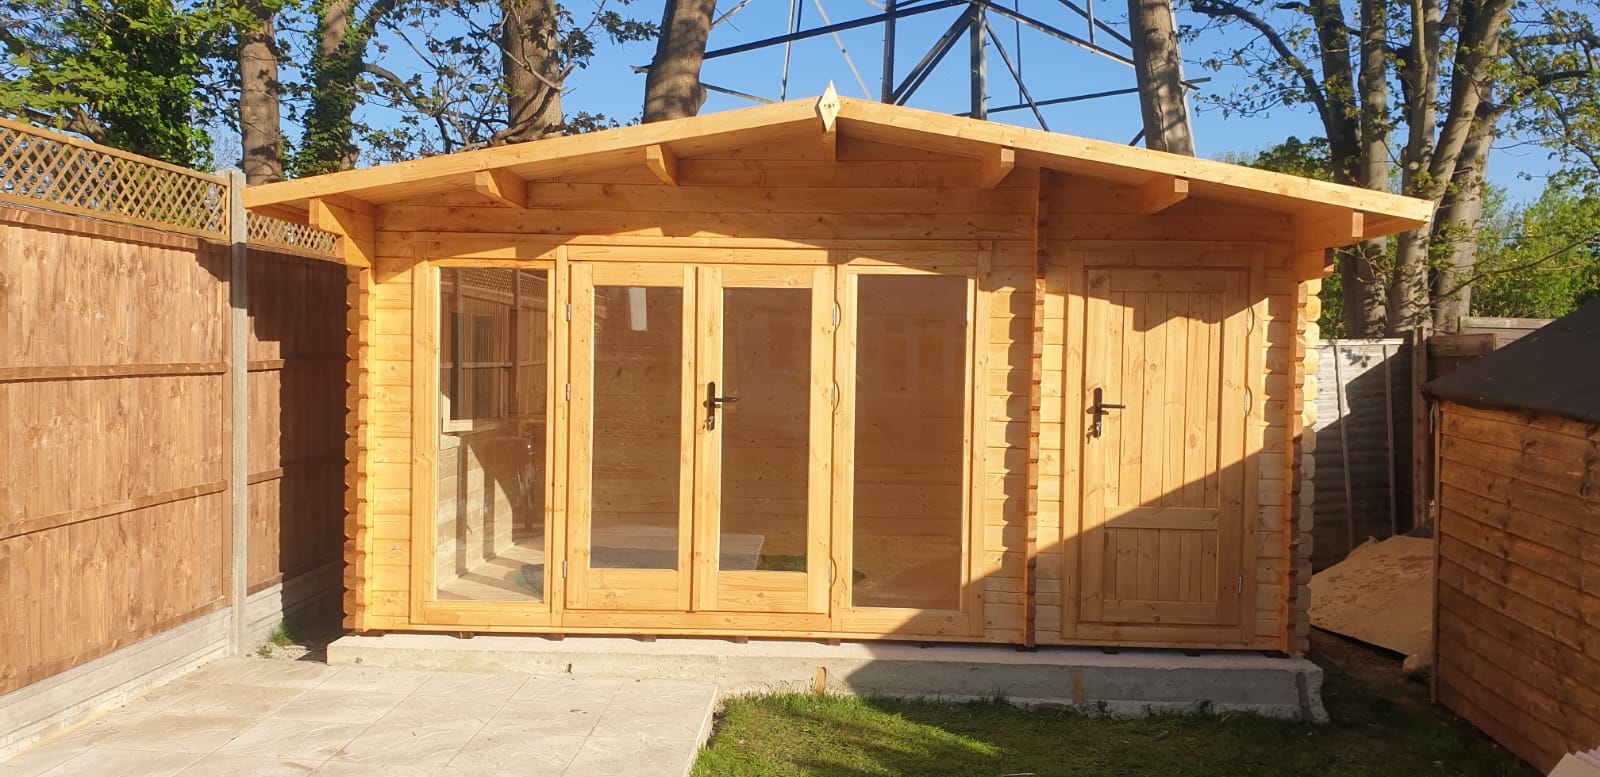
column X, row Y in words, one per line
column 114, row 432
column 1519, row 578
column 113, row 436
column 1361, row 474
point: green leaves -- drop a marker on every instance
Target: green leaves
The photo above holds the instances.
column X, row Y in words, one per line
column 126, row 73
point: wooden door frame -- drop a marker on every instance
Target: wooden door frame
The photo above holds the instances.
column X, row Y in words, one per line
column 1251, row 260
column 585, row 277
column 840, row 619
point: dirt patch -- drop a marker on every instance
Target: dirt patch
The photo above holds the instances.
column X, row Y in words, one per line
column 1362, row 681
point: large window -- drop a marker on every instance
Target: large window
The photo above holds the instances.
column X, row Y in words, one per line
column 494, row 346
column 911, row 359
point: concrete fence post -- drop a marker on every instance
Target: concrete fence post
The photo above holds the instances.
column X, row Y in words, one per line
column 239, row 384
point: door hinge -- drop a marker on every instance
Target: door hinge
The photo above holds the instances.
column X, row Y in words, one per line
column 569, row 392
column 563, row 568
column 569, row 311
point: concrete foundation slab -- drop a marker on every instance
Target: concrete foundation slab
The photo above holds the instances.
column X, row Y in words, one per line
column 1131, row 682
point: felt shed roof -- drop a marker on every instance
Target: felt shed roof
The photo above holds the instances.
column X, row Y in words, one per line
column 1556, row 369
column 1325, row 215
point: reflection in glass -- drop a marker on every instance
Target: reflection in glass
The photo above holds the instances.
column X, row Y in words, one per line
column 637, row 451
column 766, row 364
column 494, row 345
column 910, row 392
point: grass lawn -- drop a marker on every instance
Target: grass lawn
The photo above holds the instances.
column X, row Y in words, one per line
column 1371, row 734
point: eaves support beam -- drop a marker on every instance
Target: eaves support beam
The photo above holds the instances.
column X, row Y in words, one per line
column 354, row 221
column 1336, row 231
column 662, row 162
column 1160, row 193
column 502, row 186
column 995, row 165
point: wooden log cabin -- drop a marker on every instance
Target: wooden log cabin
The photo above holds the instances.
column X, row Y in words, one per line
column 832, row 369
column 1517, row 489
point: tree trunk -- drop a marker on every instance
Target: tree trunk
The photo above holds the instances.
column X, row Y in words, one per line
column 1347, row 156
column 1430, row 168
column 1159, row 71
column 1455, row 227
column 328, row 143
column 1340, row 118
column 531, row 69
column 260, row 132
column 672, row 90
column 1360, row 269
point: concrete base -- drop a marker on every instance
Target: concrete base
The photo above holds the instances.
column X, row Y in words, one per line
column 1132, row 682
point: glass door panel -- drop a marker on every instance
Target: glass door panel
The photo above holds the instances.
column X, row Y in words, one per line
column 765, row 437
column 491, row 520
column 633, row 362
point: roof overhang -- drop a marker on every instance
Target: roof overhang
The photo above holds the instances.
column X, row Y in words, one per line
column 1326, row 215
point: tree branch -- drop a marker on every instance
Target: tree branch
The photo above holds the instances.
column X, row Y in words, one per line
column 1222, row 9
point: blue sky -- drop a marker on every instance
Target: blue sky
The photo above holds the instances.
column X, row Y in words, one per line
column 1051, row 68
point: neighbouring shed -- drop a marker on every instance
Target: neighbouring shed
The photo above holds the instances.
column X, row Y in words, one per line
column 833, row 369
column 1518, row 528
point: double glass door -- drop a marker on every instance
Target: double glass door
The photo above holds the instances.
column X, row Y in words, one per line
column 701, row 438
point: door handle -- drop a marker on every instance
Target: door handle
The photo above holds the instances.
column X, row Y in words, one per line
column 1099, row 410
column 713, row 402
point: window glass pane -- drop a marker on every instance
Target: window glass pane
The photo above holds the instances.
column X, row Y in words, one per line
column 766, row 364
column 911, row 336
column 494, row 346
column 637, row 448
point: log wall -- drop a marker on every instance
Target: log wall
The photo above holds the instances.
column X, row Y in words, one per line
column 1518, row 646
column 785, row 203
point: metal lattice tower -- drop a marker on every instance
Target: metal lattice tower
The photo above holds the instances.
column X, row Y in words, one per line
column 911, row 26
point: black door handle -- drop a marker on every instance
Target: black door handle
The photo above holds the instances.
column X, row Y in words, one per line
column 1098, row 410
column 713, row 402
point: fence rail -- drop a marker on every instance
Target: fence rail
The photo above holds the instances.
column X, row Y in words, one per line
column 43, row 169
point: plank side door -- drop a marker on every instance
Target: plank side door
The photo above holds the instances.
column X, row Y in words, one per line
column 1161, row 533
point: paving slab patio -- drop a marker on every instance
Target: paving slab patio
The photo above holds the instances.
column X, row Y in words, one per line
column 246, row 717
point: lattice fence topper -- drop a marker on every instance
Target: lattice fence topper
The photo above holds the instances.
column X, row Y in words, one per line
column 41, row 168
column 269, row 231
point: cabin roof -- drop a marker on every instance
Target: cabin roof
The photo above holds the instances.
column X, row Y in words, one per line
column 1551, row 370
column 1327, row 215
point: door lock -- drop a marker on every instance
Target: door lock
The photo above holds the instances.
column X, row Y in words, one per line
column 713, row 402
column 1099, row 410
